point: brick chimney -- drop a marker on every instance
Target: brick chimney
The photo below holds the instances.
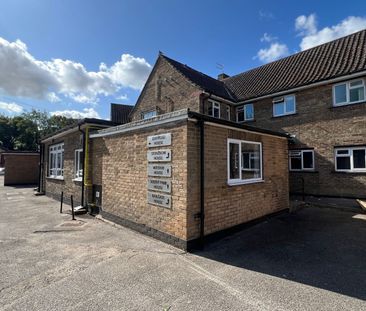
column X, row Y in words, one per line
column 222, row 76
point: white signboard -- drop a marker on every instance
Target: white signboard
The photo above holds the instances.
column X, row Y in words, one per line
column 159, row 199
column 159, row 140
column 162, row 155
column 159, row 185
column 162, row 170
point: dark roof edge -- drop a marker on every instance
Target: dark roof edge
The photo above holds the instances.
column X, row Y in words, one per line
column 79, row 123
column 199, row 116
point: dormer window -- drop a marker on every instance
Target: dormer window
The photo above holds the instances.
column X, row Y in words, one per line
column 245, row 113
column 283, row 106
column 351, row 92
column 213, row 109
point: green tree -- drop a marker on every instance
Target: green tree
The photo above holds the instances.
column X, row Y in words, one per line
column 23, row 132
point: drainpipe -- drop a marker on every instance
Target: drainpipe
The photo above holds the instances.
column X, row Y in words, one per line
column 40, row 167
column 201, row 125
column 83, row 161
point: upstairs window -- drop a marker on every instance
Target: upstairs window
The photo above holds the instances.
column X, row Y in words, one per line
column 228, row 113
column 149, row 114
column 244, row 161
column 350, row 159
column 213, row 109
column 56, row 161
column 78, row 163
column 245, row 113
column 283, row 106
column 349, row 93
column 301, row 160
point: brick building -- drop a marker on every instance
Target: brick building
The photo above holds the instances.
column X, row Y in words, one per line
column 21, row 167
column 200, row 155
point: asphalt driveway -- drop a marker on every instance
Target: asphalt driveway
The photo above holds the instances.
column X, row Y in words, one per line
column 311, row 260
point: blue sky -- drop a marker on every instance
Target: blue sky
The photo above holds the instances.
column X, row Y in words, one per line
column 75, row 57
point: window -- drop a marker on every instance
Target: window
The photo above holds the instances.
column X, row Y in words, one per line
column 301, row 160
column 228, row 113
column 348, row 93
column 245, row 113
column 284, row 105
column 213, row 109
column 56, row 161
column 149, row 114
column 350, row 159
column 78, row 164
column 244, row 162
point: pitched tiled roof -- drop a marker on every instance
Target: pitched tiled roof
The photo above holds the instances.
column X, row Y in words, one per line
column 334, row 59
column 330, row 60
column 205, row 82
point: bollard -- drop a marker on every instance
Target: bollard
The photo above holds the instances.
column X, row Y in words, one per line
column 72, row 208
column 62, row 201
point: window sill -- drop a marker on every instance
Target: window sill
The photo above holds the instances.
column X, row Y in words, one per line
column 347, row 105
column 349, row 173
column 303, row 171
column 240, row 183
column 79, row 179
column 284, row 116
column 55, row 178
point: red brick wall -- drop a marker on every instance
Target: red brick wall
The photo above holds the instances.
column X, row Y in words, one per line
column 21, row 169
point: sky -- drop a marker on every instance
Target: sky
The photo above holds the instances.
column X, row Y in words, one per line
column 75, row 57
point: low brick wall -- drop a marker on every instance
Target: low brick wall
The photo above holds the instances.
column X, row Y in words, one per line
column 21, row 168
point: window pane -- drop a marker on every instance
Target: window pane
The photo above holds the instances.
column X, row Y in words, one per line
column 210, row 110
column 356, row 94
column 295, row 162
column 307, row 158
column 343, row 163
column 240, row 115
column 359, row 158
column 343, row 151
column 340, row 93
column 279, row 109
column 290, row 104
column 355, row 83
column 216, row 112
column 234, row 161
column 251, row 167
column 249, row 112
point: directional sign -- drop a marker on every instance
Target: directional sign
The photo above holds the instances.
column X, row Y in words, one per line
column 159, row 140
column 159, row 185
column 162, row 170
column 159, row 199
column 162, row 155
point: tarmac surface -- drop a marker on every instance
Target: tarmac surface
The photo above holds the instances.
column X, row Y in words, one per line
column 313, row 259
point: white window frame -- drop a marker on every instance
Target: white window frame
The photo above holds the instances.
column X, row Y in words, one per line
column 348, row 88
column 153, row 113
column 215, row 105
column 53, row 152
column 302, row 160
column 283, row 100
column 240, row 181
column 350, row 155
column 243, row 109
column 78, row 173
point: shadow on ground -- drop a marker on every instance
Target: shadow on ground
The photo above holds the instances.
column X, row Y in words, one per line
column 320, row 247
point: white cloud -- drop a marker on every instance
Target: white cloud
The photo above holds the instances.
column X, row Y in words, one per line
column 74, row 114
column 265, row 15
column 122, row 97
column 268, row 38
column 39, row 79
column 307, row 26
column 274, row 52
column 11, row 107
column 53, row 98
